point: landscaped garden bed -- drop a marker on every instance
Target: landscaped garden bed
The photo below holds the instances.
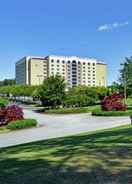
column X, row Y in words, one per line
column 72, row 110
column 113, row 106
column 99, row 112
column 12, row 117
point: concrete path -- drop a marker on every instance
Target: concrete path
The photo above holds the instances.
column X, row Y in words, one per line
column 52, row 126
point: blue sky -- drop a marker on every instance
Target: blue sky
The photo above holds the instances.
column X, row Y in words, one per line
column 92, row 28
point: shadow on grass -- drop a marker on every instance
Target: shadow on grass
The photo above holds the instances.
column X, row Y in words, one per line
column 98, row 158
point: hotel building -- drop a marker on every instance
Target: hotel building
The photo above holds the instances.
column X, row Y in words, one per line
column 75, row 70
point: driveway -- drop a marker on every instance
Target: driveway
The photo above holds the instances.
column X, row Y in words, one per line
column 52, row 126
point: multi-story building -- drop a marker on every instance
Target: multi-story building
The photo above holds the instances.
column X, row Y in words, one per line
column 31, row 70
column 75, row 70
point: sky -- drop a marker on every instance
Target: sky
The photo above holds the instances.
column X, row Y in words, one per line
column 88, row 28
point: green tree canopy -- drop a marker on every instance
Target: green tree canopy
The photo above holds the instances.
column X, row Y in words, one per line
column 126, row 75
column 52, row 92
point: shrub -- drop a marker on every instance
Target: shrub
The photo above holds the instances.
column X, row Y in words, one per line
column 113, row 103
column 21, row 124
column 10, row 113
column 3, row 116
column 13, row 113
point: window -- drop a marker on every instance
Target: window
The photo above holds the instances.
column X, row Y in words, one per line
column 58, row 61
column 69, row 62
column 93, row 64
column 52, row 61
column 83, row 63
column 79, row 62
column 88, row 63
column 63, row 61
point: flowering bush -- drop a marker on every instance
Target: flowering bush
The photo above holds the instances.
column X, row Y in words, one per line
column 113, row 102
column 10, row 113
column 13, row 113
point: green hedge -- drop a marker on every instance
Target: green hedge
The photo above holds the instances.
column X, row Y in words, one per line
column 21, row 124
column 71, row 110
column 99, row 112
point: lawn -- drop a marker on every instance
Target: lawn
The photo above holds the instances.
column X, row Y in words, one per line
column 103, row 157
column 73, row 110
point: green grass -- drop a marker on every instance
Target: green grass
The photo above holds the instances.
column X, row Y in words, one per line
column 103, row 157
column 3, row 129
column 129, row 101
column 72, row 110
column 3, row 101
column 99, row 112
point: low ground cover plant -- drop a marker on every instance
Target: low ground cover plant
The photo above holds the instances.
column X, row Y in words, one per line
column 21, row 124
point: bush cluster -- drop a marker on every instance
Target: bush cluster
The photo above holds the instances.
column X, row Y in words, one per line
column 10, row 113
column 113, row 102
column 20, row 124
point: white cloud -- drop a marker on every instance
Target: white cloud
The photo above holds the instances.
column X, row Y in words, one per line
column 110, row 27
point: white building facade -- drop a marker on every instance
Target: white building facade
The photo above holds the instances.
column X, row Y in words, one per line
column 75, row 70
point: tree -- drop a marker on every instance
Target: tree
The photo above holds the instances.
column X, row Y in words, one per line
column 7, row 82
column 126, row 76
column 52, row 92
column 81, row 96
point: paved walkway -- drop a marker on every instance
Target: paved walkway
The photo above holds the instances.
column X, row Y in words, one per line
column 52, row 126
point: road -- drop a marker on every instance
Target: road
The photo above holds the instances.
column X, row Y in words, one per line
column 52, row 126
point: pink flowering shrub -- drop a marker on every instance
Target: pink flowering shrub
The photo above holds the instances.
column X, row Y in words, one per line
column 113, row 102
column 14, row 113
column 10, row 113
